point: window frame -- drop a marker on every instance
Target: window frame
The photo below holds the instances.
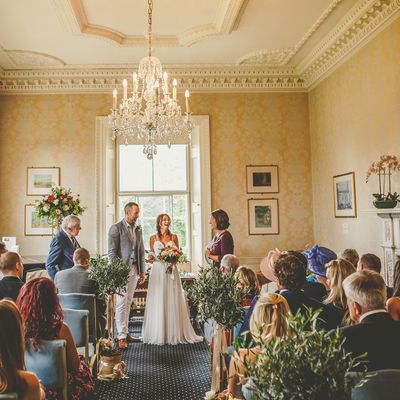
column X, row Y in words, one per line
column 155, row 193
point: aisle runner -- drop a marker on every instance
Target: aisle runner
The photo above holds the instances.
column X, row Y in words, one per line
column 180, row 372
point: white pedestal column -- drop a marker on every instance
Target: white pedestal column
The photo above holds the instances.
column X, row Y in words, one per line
column 390, row 241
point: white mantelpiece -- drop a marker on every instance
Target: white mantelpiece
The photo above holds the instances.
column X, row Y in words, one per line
column 390, row 241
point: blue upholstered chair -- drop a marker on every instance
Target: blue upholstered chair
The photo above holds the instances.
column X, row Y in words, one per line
column 379, row 385
column 9, row 396
column 78, row 323
column 81, row 301
column 49, row 363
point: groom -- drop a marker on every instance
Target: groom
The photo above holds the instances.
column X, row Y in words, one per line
column 125, row 241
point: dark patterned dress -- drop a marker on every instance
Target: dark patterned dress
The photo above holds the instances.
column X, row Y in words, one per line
column 80, row 382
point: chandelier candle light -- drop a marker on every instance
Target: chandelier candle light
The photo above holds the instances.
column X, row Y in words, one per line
column 152, row 114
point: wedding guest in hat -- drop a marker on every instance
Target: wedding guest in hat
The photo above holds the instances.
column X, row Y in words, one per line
column 317, row 258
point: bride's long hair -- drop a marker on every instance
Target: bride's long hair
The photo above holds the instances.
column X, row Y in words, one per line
column 159, row 219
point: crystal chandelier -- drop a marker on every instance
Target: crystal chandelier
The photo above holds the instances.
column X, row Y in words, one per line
column 152, row 114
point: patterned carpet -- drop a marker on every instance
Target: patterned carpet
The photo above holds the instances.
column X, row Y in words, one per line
column 180, row 372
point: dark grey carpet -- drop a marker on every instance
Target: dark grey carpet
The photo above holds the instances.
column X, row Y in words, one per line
column 180, row 372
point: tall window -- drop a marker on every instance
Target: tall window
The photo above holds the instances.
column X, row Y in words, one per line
column 158, row 185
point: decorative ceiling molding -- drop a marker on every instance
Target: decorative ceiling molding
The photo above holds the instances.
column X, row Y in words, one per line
column 267, row 57
column 281, row 57
column 32, row 59
column 73, row 12
column 201, row 79
column 361, row 24
column 363, row 20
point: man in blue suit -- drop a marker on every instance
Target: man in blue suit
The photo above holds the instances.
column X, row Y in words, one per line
column 63, row 245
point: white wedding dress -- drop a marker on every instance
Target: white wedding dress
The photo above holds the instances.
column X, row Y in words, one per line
column 166, row 316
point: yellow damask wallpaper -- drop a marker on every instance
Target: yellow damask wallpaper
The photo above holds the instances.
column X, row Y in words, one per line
column 354, row 118
column 58, row 130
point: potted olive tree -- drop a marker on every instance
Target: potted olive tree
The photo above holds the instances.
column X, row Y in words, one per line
column 111, row 277
column 218, row 297
column 307, row 364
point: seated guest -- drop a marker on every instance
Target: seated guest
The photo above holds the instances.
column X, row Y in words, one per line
column 350, row 255
column 63, row 245
column 373, row 263
column 375, row 332
column 229, row 262
column 13, row 376
column 269, row 315
column 291, row 280
column 314, row 290
column 248, row 281
column 2, row 248
column 336, row 272
column 2, row 251
column 12, row 268
column 76, row 280
column 317, row 257
column 393, row 304
column 44, row 319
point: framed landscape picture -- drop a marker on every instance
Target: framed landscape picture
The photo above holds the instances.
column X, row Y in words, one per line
column 39, row 180
column 262, row 179
column 344, row 194
column 34, row 225
column 263, row 217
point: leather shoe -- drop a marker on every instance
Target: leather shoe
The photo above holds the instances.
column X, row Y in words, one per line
column 122, row 344
column 132, row 339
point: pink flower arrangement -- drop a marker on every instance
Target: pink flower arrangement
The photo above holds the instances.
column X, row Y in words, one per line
column 384, row 167
column 59, row 204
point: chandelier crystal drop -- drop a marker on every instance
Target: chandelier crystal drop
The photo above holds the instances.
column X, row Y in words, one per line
column 152, row 114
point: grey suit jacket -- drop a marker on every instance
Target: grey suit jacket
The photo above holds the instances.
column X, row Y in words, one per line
column 120, row 244
column 74, row 280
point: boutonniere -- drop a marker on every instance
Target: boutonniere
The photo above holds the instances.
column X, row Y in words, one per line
column 138, row 228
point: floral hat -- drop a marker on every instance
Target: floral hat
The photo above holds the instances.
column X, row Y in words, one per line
column 317, row 257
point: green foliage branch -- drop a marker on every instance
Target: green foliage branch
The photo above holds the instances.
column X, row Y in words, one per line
column 217, row 296
column 307, row 364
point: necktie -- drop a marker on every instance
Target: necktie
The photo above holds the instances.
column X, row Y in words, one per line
column 74, row 242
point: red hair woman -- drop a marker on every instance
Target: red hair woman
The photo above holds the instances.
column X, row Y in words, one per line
column 44, row 319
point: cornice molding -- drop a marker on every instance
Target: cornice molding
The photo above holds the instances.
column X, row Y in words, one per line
column 198, row 79
column 72, row 12
column 361, row 24
column 351, row 33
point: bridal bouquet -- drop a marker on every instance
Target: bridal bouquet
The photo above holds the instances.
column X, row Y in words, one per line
column 171, row 255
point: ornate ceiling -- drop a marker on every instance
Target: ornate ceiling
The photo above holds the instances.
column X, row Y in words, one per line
column 208, row 45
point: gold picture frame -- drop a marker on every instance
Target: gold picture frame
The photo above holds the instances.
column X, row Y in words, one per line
column 34, row 225
column 262, row 179
column 344, row 195
column 263, row 216
column 39, row 180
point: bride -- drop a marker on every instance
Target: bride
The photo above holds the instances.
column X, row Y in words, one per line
column 166, row 316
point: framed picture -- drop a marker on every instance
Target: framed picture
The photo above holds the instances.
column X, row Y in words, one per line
column 39, row 180
column 34, row 225
column 262, row 179
column 263, row 217
column 344, row 194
